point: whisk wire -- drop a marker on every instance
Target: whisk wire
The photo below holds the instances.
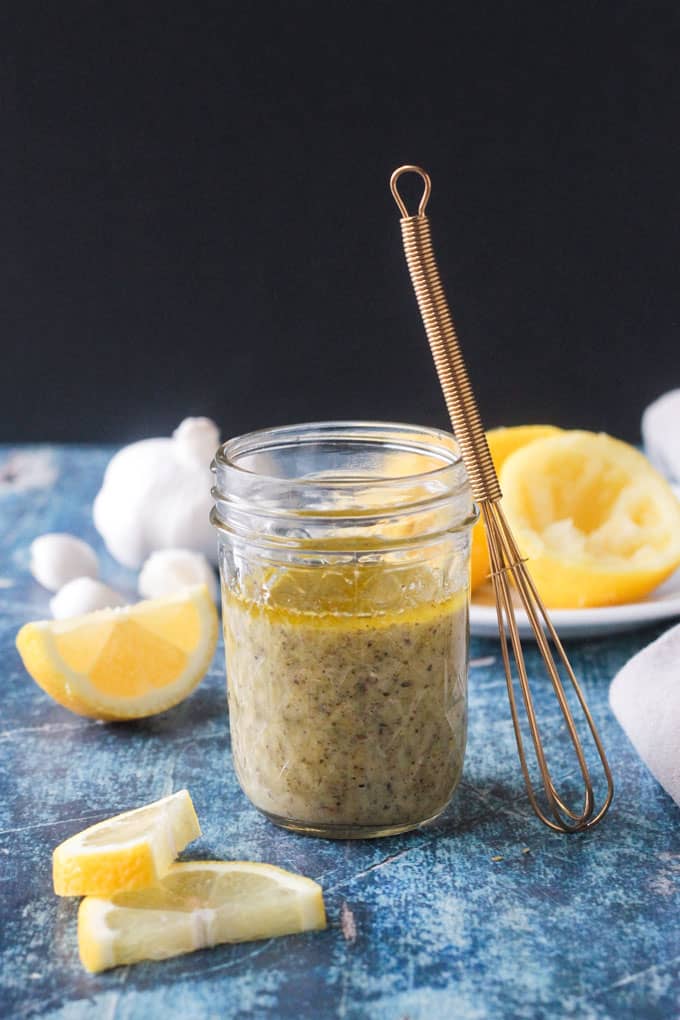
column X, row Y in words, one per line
column 555, row 802
column 506, row 560
column 505, row 615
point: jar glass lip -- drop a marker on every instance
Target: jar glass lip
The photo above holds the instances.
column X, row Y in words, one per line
column 401, row 437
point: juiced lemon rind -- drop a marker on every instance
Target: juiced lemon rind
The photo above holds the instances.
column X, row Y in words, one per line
column 599, row 524
column 502, row 444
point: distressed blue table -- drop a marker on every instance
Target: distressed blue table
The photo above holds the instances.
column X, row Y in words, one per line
column 484, row 914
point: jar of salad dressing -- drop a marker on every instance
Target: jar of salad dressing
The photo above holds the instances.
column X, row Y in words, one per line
column 344, row 561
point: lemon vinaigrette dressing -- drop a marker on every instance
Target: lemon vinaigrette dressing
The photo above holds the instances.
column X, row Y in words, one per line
column 344, row 561
column 348, row 719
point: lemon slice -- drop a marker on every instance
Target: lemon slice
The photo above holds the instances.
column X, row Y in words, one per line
column 128, row 851
column 599, row 524
column 197, row 904
column 502, row 442
column 124, row 663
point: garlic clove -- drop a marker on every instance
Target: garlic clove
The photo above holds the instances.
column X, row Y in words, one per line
column 83, row 595
column 169, row 570
column 57, row 558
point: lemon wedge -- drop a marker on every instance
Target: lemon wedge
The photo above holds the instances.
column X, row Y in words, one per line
column 599, row 524
column 197, row 904
column 502, row 442
column 124, row 663
column 128, row 851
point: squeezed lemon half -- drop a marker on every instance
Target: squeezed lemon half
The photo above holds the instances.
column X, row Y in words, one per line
column 129, row 851
column 599, row 524
column 196, row 905
column 502, row 443
column 124, row 663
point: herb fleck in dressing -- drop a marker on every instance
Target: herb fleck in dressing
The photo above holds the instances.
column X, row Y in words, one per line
column 347, row 722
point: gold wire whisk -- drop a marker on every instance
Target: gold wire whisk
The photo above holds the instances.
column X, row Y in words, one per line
column 504, row 555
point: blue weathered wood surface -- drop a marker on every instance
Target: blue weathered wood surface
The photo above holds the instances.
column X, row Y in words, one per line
column 584, row 926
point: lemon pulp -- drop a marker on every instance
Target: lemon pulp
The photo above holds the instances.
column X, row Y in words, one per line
column 598, row 523
column 124, row 663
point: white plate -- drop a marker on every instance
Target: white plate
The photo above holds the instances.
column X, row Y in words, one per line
column 661, row 604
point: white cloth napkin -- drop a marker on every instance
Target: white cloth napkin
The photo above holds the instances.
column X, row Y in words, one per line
column 645, row 698
column 661, row 434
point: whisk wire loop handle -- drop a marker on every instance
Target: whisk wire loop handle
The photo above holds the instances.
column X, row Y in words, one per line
column 446, row 352
column 505, row 558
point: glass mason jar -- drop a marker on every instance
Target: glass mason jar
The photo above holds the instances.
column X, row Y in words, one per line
column 344, row 554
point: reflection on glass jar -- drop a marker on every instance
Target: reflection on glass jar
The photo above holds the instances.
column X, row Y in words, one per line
column 344, row 560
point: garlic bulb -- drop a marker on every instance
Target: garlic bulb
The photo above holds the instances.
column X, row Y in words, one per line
column 168, row 570
column 83, row 595
column 196, row 441
column 57, row 558
column 156, row 495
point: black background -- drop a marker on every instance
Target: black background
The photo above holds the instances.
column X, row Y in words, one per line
column 196, row 216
